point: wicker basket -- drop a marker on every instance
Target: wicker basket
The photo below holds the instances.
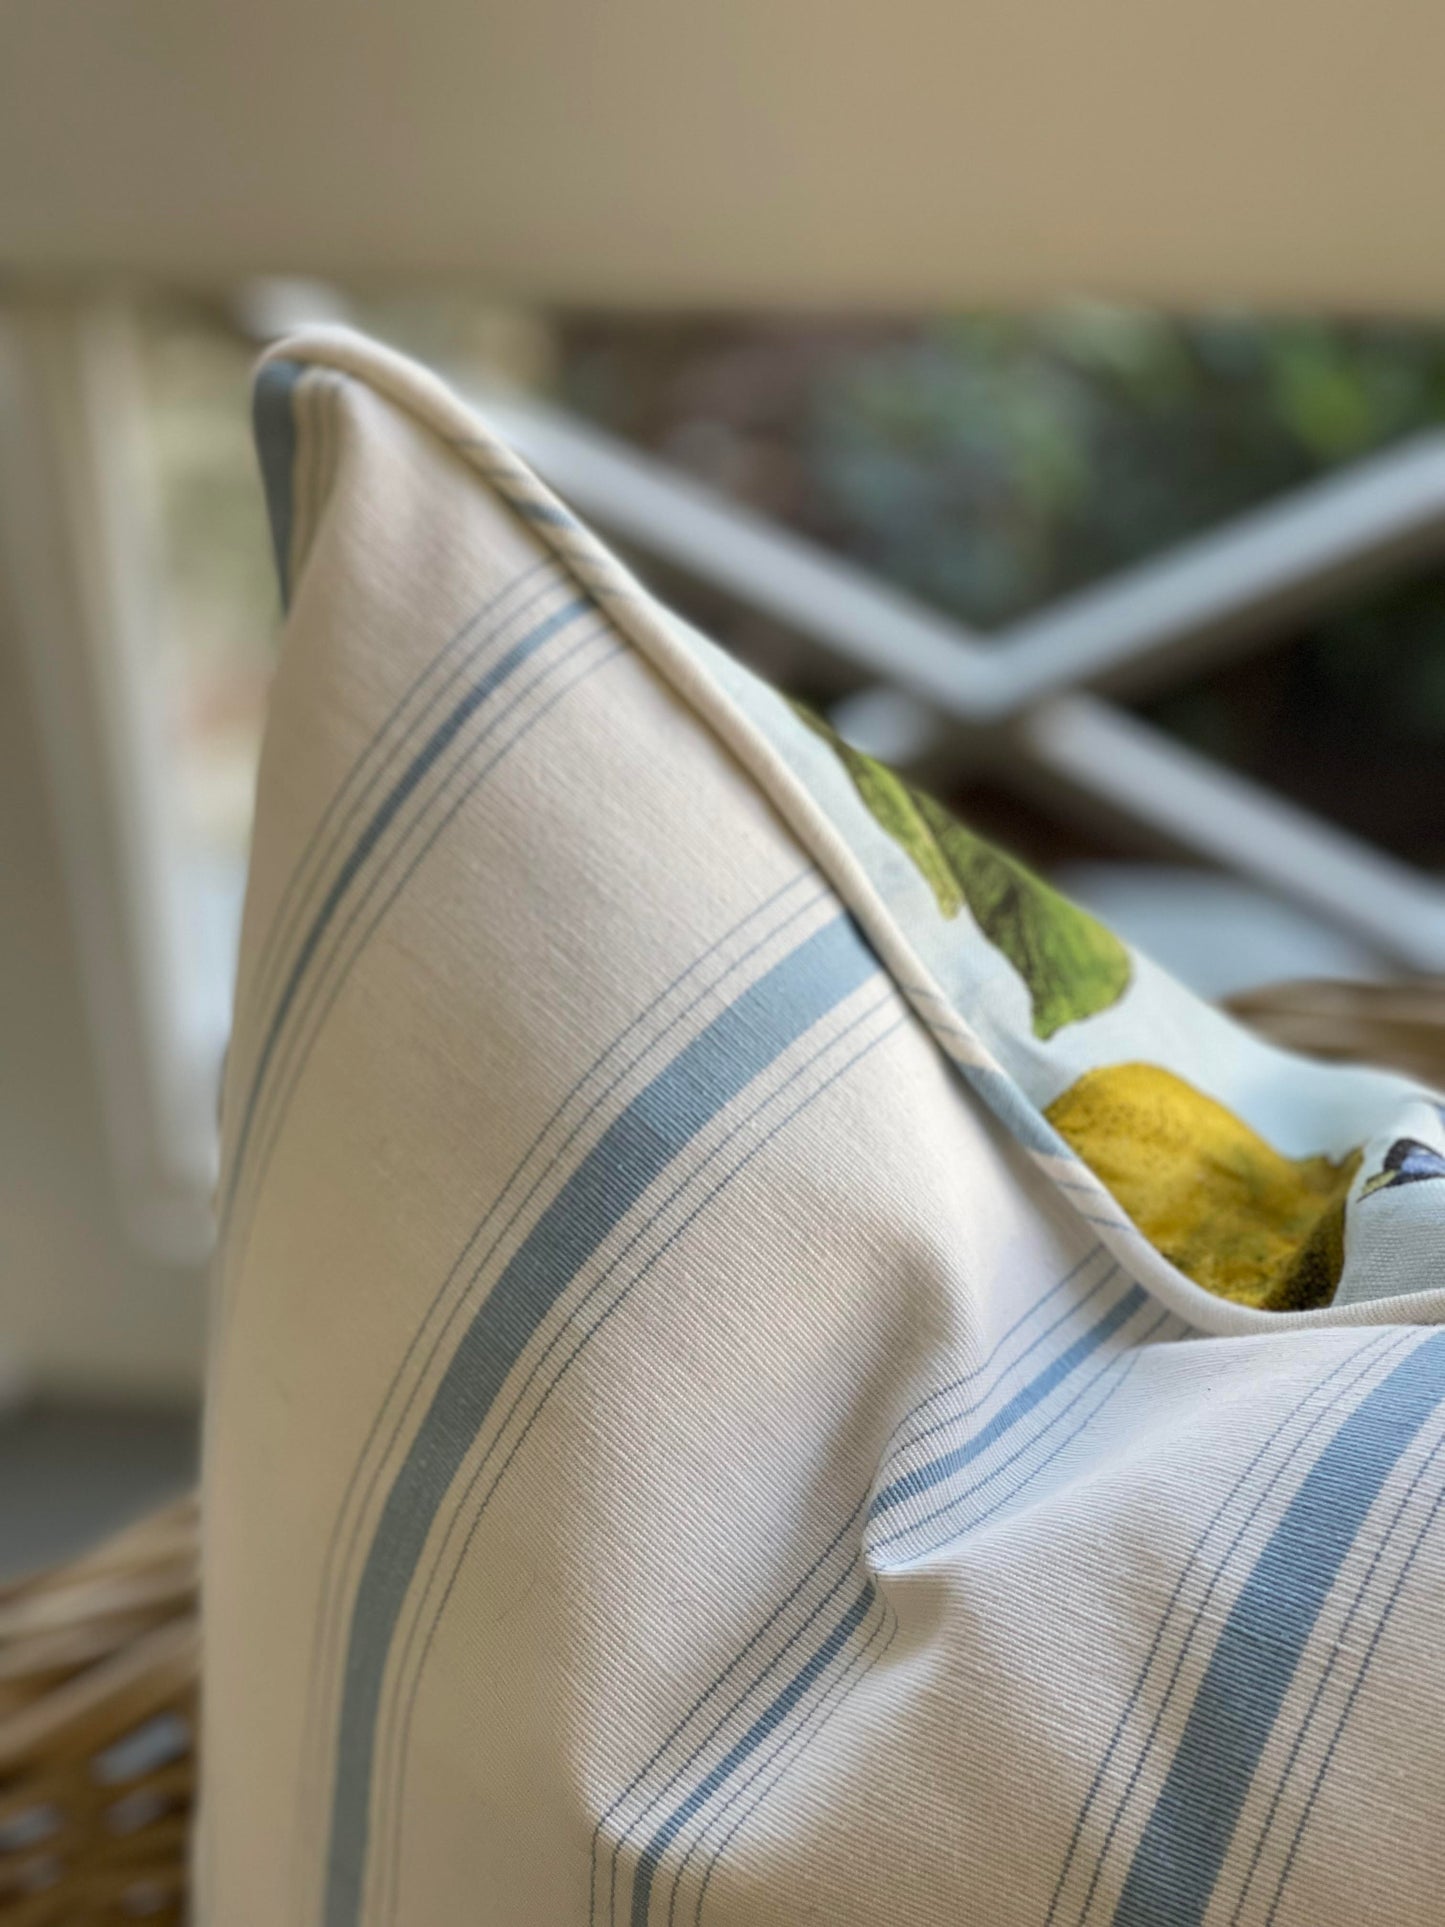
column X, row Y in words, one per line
column 99, row 1659
column 98, row 1669
column 1399, row 1025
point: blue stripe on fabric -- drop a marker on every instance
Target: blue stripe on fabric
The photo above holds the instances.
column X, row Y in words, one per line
column 1349, row 1706
column 1292, row 1451
column 913, row 1484
column 657, row 1125
column 273, row 424
column 1242, row 1479
column 549, row 1168
column 846, row 1572
column 858, row 1512
column 766, row 1722
column 542, row 512
column 951, row 1420
column 344, row 1537
column 975, row 1372
column 435, row 746
column 1177, row 1862
column 782, row 1606
column 1327, row 1673
column 296, row 1051
column 397, row 871
column 1128, row 1358
column 342, row 810
column 781, row 1762
column 649, row 1222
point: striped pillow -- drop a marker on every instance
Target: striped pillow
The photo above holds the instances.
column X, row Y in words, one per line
column 766, row 1367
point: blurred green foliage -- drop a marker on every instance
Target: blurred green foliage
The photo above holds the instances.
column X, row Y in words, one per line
column 990, row 465
column 986, row 464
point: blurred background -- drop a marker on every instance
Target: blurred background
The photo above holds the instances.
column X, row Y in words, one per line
column 1058, row 401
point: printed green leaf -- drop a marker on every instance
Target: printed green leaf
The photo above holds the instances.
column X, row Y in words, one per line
column 1071, row 964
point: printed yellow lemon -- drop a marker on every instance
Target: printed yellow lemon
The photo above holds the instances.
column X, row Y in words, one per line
column 1234, row 1214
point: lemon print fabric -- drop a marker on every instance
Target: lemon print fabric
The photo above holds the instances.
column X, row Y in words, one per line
column 1230, row 1211
column 1189, row 1121
column 1072, row 966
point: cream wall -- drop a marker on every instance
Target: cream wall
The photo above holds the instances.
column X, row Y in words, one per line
column 1280, row 151
column 80, row 1308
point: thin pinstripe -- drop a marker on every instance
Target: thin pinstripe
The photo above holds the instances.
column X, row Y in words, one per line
column 396, row 1801
column 1327, row 1672
column 324, row 990
column 323, row 1656
column 1216, row 1577
column 1357, row 1353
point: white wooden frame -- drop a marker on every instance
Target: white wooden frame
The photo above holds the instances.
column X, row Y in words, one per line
column 1030, row 701
column 82, row 586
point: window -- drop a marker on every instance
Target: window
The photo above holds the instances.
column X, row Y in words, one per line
column 1118, row 584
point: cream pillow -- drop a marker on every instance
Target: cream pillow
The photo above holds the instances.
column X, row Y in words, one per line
column 767, row 1368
